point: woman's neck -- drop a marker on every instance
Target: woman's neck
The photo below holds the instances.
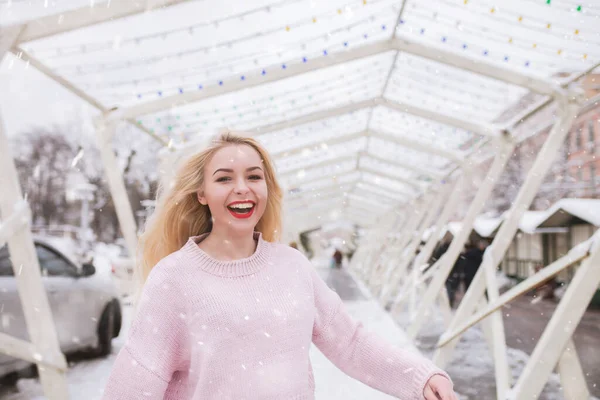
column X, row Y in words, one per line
column 226, row 247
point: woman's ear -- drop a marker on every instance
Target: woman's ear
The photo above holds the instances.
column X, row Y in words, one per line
column 202, row 199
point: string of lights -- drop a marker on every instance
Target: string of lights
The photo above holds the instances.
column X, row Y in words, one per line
column 316, row 133
column 261, row 120
column 252, row 123
column 205, row 69
column 449, row 73
column 475, row 48
column 180, row 89
column 117, row 42
column 417, row 76
column 492, row 8
column 514, row 18
column 206, row 49
column 549, row 52
column 407, row 125
column 233, row 111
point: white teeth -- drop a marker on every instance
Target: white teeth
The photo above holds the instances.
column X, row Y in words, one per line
column 242, row 206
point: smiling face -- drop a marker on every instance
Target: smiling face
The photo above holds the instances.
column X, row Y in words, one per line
column 235, row 189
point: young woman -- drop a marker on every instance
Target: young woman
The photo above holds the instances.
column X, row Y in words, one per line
column 228, row 313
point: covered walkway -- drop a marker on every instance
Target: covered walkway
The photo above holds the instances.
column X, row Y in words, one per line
column 377, row 112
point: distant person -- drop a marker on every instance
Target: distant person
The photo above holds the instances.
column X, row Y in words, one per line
column 455, row 275
column 227, row 312
column 472, row 261
column 337, row 259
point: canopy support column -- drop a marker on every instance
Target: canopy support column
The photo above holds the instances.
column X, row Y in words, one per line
column 105, row 130
column 44, row 349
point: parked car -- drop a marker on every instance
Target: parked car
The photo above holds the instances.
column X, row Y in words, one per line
column 122, row 266
column 86, row 311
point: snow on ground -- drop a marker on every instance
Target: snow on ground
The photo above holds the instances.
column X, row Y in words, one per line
column 86, row 379
column 472, row 366
column 471, row 369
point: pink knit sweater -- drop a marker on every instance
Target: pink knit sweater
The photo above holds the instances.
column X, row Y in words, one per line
column 208, row 329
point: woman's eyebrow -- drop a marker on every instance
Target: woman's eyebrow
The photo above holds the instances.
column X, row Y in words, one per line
column 231, row 171
column 223, row 170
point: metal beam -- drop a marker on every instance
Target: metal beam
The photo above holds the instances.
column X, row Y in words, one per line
column 34, row 300
column 405, row 181
column 25, row 56
column 457, row 157
column 336, row 180
column 410, row 167
column 379, row 191
column 317, row 194
column 87, row 16
column 317, row 165
column 471, row 126
column 481, row 67
column 316, row 116
column 331, row 142
column 234, row 83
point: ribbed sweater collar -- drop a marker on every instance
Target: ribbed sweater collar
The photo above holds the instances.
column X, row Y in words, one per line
column 229, row 269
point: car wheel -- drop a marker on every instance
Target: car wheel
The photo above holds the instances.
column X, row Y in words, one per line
column 106, row 329
column 118, row 318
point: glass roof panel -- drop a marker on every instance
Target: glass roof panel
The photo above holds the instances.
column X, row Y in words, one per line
column 542, row 38
column 316, row 135
column 420, row 129
column 172, row 51
column 386, row 183
column 302, row 161
column 389, row 149
column 320, row 184
column 307, row 175
column 387, row 169
column 449, row 90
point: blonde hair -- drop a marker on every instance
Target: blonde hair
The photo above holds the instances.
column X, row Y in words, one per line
column 179, row 215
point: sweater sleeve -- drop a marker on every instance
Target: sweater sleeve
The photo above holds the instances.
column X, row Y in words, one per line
column 155, row 348
column 364, row 355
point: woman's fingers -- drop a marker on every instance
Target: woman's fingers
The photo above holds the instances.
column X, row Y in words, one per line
column 429, row 395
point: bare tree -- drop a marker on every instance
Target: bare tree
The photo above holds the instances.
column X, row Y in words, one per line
column 43, row 157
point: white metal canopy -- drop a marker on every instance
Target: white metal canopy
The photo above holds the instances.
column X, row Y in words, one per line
column 317, row 82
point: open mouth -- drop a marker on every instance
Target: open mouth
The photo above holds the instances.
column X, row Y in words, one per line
column 241, row 209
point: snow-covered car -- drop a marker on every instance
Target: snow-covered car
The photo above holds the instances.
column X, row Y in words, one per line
column 86, row 310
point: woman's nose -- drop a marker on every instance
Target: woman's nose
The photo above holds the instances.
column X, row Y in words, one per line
column 241, row 187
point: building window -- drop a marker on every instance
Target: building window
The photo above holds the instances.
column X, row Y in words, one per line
column 591, row 135
column 593, row 173
column 578, row 134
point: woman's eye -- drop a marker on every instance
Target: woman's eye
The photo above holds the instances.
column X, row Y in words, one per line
column 223, row 179
column 255, row 177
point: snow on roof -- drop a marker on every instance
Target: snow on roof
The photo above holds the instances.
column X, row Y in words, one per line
column 531, row 220
column 586, row 209
column 486, row 226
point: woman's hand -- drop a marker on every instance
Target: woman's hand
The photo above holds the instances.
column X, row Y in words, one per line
column 439, row 387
